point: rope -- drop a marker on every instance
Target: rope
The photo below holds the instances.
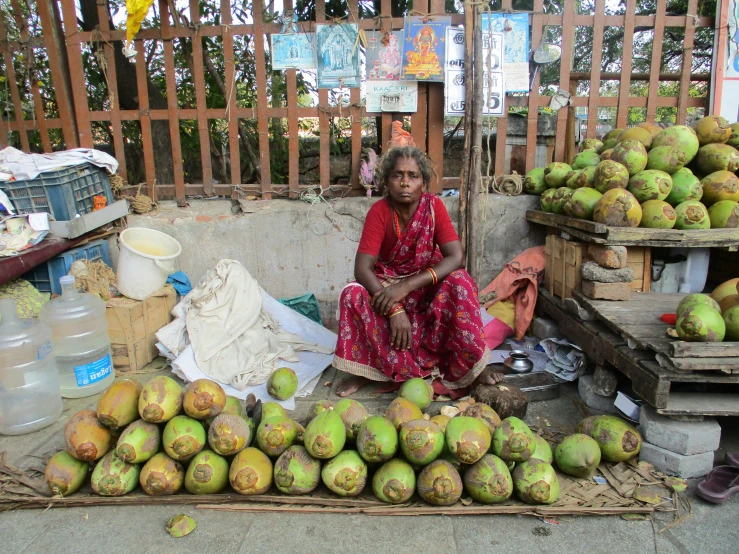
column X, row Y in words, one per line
column 313, row 196
column 508, row 185
column 116, row 184
column 94, row 277
column 141, row 204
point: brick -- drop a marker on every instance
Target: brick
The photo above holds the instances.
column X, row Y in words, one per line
column 606, row 291
column 592, row 399
column 545, row 328
column 593, row 272
column 682, row 437
column 613, row 257
column 671, row 463
column 605, row 381
column 203, row 218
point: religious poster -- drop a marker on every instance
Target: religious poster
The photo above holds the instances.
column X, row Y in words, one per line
column 384, row 55
column 293, row 51
column 392, row 96
column 492, row 49
column 337, row 50
column 423, row 49
column 493, row 93
column 515, row 29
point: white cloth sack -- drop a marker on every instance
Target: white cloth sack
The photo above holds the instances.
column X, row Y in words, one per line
column 28, row 166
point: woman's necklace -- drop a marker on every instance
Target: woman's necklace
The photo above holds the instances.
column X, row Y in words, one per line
column 397, row 224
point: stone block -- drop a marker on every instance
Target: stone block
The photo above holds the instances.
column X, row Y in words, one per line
column 592, row 399
column 606, row 291
column 593, row 272
column 545, row 328
column 671, row 463
column 681, row 437
column 613, row 257
column 605, row 381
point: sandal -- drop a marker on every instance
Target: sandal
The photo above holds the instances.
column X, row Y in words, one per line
column 732, row 458
column 720, row 484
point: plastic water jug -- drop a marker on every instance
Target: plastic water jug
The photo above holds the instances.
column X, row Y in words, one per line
column 80, row 339
column 29, row 382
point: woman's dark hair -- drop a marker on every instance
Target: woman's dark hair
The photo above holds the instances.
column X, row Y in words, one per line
column 389, row 159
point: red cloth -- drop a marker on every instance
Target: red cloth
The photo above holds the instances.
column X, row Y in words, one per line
column 446, row 325
column 520, row 279
column 378, row 235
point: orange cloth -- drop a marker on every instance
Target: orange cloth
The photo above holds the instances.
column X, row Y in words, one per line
column 399, row 136
column 520, row 281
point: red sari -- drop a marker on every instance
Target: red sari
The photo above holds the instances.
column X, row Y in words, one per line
column 447, row 340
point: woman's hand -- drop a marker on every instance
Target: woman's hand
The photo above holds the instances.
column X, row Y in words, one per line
column 388, row 297
column 400, row 331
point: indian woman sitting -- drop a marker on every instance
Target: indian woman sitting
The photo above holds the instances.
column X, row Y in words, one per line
column 412, row 311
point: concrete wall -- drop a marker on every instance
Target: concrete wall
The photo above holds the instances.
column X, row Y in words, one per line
column 293, row 247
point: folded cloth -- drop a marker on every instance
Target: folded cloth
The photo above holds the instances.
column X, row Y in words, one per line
column 28, row 166
column 180, row 281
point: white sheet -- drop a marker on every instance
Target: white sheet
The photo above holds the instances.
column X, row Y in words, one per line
column 28, row 166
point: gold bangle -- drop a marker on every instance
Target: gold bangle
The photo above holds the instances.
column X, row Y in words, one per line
column 401, row 311
column 434, row 278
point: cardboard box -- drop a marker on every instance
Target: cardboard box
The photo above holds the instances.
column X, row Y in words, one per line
column 132, row 325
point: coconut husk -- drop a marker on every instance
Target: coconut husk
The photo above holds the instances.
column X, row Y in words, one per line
column 506, row 400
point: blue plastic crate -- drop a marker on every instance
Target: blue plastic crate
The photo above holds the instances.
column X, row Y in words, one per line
column 45, row 277
column 63, row 193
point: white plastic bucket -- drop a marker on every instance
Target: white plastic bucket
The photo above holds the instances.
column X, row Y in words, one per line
column 146, row 258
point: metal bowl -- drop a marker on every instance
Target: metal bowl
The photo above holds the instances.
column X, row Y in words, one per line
column 518, row 362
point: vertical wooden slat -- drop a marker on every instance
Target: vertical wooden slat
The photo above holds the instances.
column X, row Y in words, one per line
column 419, row 118
column 262, row 122
column 532, row 121
column 687, row 68
column 435, row 136
column 293, row 162
column 172, row 111
column 323, row 120
column 200, row 99
column 355, row 112
column 229, row 64
column 387, row 129
column 77, row 74
column 625, row 89
column 112, row 83
column 145, row 119
column 54, row 42
column 13, row 84
column 568, row 31
column 501, row 130
column 659, row 33
column 597, row 56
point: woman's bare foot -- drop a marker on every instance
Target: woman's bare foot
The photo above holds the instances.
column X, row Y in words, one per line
column 350, row 385
column 488, row 377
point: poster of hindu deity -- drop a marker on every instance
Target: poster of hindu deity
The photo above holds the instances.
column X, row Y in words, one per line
column 293, row 50
column 337, row 50
column 423, row 48
column 384, row 55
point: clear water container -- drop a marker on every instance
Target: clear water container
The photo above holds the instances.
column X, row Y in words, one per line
column 80, row 338
column 29, row 382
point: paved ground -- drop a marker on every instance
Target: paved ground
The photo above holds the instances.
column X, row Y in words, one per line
column 711, row 529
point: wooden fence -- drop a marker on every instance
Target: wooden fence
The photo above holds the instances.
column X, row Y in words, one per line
column 62, row 117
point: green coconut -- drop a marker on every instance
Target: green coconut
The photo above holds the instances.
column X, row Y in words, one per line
column 590, row 144
column 119, row 405
column 712, row 129
column 560, row 198
column 586, row 425
column 325, row 436
column 272, row 409
column 654, row 130
column 65, row 474
column 183, row 437
column 692, row 215
column 638, row 134
column 485, row 413
column 250, row 472
column 609, row 175
column 724, row 214
column 546, row 202
column 613, row 134
column 207, row 473
column 296, row 472
column 631, row 154
column 720, row 185
column 489, row 480
column 701, row 323
column 513, row 441
column 138, row 442
column 577, row 455
column 114, row 477
column 377, row 440
column 233, row 406
column 534, row 182
column 606, row 154
column 229, row 434
column 582, row 203
column 282, row 383
column 346, row 474
column 734, row 136
column 277, row 434
column 319, row 407
column 417, row 390
column 543, row 450
column 658, row 214
column 86, row 438
column 467, row 438
column 685, row 186
column 536, row 482
column 618, row 208
column 727, row 288
column 666, row 158
column 717, row 157
column 681, row 137
column 439, row 484
column 421, row 441
column 441, row 420
column 353, row 414
column 580, row 178
column 555, row 174
column 402, row 410
column 687, row 303
column 585, row 159
column 650, row 184
column 180, row 526
column 203, row 399
column 617, row 439
column 731, row 322
column 394, row 482
column 161, row 476
column 160, row 400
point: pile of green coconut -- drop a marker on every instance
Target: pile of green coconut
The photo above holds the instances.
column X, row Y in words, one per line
column 646, row 176
column 710, row 318
column 164, row 439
